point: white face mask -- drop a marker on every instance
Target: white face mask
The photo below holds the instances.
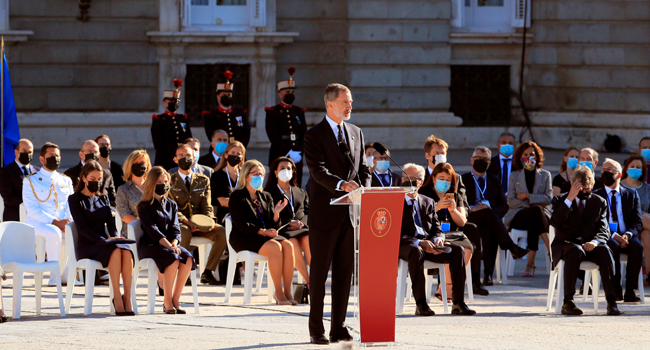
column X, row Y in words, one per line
column 369, row 160
column 440, row 158
column 285, row 175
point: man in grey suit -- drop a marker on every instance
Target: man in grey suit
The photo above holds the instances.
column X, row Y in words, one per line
column 196, row 167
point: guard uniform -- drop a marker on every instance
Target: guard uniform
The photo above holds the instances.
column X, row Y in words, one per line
column 232, row 120
column 170, row 129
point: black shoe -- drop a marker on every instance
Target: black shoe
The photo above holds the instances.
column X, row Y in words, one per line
column 170, row 311
column 487, row 281
column 208, row 278
column 518, row 252
column 128, row 313
column 461, row 309
column 630, row 297
column 123, row 313
column 319, row 339
column 424, row 310
column 3, row 319
column 612, row 309
column 181, row 311
column 570, row 308
column 343, row 336
column 478, row 289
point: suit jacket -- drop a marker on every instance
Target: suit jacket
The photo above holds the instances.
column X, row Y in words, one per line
column 107, row 188
column 631, row 205
column 394, row 180
column 207, row 171
column 195, row 200
column 572, row 227
column 11, row 189
column 495, row 167
column 327, row 166
column 542, row 193
column 429, row 219
column 208, row 161
column 245, row 220
column 300, row 205
column 494, row 193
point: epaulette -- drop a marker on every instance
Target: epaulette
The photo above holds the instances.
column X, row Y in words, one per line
column 32, row 174
column 155, row 116
column 269, row 108
column 241, row 109
column 204, row 113
column 185, row 115
column 303, row 109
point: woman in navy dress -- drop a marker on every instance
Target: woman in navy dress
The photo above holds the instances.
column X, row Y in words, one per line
column 162, row 235
column 93, row 217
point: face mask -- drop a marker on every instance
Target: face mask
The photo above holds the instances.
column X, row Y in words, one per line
column 138, row 169
column 480, row 165
column 285, row 175
column 645, row 153
column 589, row 165
column 442, row 186
column 572, row 163
column 289, row 98
column 608, row 178
column 196, row 157
column 369, row 160
column 234, row 160
column 25, row 158
column 528, row 162
column 185, row 163
column 507, row 150
column 220, row 147
column 383, row 165
column 91, row 156
column 105, row 151
column 172, row 106
column 161, row 189
column 93, row 186
column 256, row 182
column 52, row 163
column 634, row 173
column 440, row 158
column 584, row 195
column 226, row 100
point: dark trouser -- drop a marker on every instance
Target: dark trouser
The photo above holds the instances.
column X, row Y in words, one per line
column 634, row 252
column 574, row 254
column 474, row 235
column 217, row 236
column 299, row 171
column 533, row 220
column 493, row 235
column 330, row 247
column 416, row 257
column 11, row 213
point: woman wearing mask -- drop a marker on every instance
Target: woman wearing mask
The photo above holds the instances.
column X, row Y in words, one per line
column 162, row 235
column 634, row 177
column 281, row 185
column 255, row 220
column 370, row 151
column 93, row 217
column 225, row 178
column 529, row 198
column 136, row 166
column 569, row 163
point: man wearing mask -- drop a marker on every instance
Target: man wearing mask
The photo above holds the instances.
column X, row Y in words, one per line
column 115, row 168
column 218, row 145
column 501, row 164
column 435, row 151
column 382, row 176
column 11, row 179
column 195, row 144
column 45, row 195
column 644, row 151
column 625, row 226
column 169, row 129
column 588, row 157
column 90, row 151
column 286, row 126
column 191, row 191
column 421, row 234
column 233, row 120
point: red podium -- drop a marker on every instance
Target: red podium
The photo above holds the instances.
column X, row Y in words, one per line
column 377, row 225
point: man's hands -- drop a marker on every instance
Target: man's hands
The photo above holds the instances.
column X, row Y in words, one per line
column 192, row 227
column 427, row 246
column 576, row 187
column 349, row 186
column 61, row 223
column 623, row 240
column 589, row 246
column 523, row 196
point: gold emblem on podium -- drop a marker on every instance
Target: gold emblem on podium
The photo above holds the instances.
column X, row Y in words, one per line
column 380, row 222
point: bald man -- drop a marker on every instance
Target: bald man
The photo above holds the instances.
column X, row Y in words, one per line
column 11, row 179
column 90, row 151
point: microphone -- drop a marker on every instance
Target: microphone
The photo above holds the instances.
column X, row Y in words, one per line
column 346, row 152
column 384, row 152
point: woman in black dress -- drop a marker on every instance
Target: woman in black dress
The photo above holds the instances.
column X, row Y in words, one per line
column 224, row 180
column 569, row 163
column 282, row 185
column 254, row 227
column 92, row 214
column 162, row 235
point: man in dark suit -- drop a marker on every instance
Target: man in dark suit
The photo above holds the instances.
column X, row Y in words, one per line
column 589, row 158
column 501, row 164
column 218, row 145
column 333, row 174
column 197, row 168
column 421, row 233
column 625, row 225
column 90, row 151
column 11, row 179
column 382, row 176
column 488, row 205
column 581, row 234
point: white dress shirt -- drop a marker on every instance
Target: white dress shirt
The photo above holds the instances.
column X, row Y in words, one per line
column 216, row 157
column 183, row 176
column 335, row 129
column 619, row 209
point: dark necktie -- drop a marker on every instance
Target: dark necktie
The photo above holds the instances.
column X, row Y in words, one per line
column 340, row 134
column 25, row 171
column 187, row 182
column 581, row 206
column 614, row 208
column 416, row 216
column 481, row 187
column 385, row 179
column 504, row 175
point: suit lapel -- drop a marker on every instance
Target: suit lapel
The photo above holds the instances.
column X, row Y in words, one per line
column 17, row 170
column 330, row 140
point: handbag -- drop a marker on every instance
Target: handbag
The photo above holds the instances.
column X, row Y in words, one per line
column 301, row 293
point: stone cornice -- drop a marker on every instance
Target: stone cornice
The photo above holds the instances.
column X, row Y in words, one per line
column 199, row 37
column 16, row 35
column 489, row 38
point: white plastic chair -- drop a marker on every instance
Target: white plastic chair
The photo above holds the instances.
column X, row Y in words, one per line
column 91, row 266
column 249, row 259
column 501, row 267
column 134, row 231
column 2, row 207
column 557, row 277
column 517, row 236
column 118, row 221
column 17, row 244
column 624, row 275
column 40, row 242
column 204, row 246
column 404, row 285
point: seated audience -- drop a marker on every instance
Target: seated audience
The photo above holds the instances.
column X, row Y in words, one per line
column 569, row 163
column 370, row 151
column 90, row 151
column 197, row 168
column 218, row 145
column 105, row 161
column 588, row 157
column 501, row 164
column 634, row 177
column 382, row 176
column 137, row 166
column 226, row 177
column 11, row 179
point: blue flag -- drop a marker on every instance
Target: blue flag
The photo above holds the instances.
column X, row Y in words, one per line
column 11, row 133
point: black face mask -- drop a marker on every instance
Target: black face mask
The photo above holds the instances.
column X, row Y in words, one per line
column 226, row 100
column 93, row 186
column 480, row 165
column 608, row 178
column 289, row 98
column 53, row 163
column 233, row 160
column 584, row 195
column 91, row 156
column 161, row 189
column 105, row 151
column 185, row 163
column 138, row 169
column 172, row 106
column 25, row 158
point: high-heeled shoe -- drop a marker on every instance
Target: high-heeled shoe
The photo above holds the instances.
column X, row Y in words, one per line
column 283, row 302
column 128, row 313
column 171, row 311
column 530, row 271
column 180, row 311
column 117, row 313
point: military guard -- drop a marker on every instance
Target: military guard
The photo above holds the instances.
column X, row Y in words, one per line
column 233, row 120
column 286, row 125
column 170, row 129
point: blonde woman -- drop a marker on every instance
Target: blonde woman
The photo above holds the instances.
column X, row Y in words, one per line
column 224, row 179
column 136, row 167
column 255, row 220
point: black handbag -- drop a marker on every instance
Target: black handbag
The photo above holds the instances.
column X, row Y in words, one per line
column 301, row 293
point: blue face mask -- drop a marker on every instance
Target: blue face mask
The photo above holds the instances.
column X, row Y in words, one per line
column 196, row 157
column 506, row 150
column 256, row 182
column 572, row 163
column 220, row 148
column 442, row 186
column 634, row 173
column 589, row 165
column 645, row 153
column 382, row 166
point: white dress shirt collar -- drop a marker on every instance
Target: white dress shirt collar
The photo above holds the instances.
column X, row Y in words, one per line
column 183, row 176
column 20, row 165
column 335, row 128
column 502, row 157
column 609, row 189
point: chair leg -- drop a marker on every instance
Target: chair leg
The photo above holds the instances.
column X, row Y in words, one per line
column 401, row 281
column 270, row 287
column 429, row 287
column 152, row 282
column 641, row 289
column 38, row 282
column 90, row 288
column 261, row 267
column 134, row 299
column 59, row 293
column 585, row 288
column 468, row 282
column 248, row 283
column 560, row 286
column 18, row 292
column 232, row 264
column 72, row 271
column 551, row 289
column 111, row 296
column 195, row 292
column 443, row 288
column 409, row 289
column 596, row 287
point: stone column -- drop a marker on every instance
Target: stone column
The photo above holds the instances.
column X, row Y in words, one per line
column 262, row 91
column 172, row 66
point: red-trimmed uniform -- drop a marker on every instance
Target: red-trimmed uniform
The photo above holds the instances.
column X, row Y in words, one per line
column 286, row 127
column 168, row 131
column 234, row 121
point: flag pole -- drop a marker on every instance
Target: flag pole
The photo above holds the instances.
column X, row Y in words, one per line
column 2, row 102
